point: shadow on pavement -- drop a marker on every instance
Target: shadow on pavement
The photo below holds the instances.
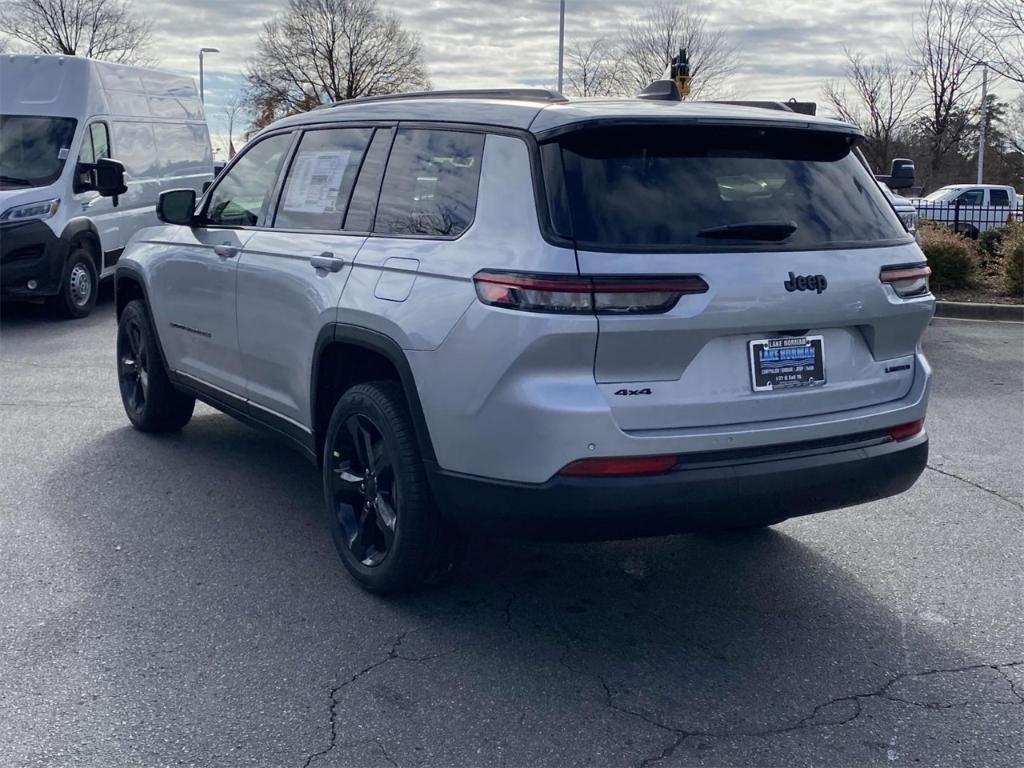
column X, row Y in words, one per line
column 220, row 588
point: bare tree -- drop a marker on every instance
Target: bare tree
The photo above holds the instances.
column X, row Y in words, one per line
column 1001, row 24
column 948, row 52
column 650, row 41
column 319, row 51
column 878, row 96
column 596, row 68
column 234, row 109
column 96, row 29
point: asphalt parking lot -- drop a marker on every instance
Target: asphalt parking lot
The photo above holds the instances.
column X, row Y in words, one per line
column 174, row 601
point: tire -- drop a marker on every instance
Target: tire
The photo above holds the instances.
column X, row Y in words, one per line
column 79, row 284
column 150, row 400
column 386, row 527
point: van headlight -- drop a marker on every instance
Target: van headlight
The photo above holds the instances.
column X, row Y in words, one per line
column 39, row 211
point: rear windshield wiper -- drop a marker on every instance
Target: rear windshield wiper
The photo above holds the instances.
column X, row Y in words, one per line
column 751, row 230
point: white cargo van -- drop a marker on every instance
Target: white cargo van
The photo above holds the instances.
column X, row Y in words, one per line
column 86, row 147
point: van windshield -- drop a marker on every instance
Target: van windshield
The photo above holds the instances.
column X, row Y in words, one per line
column 706, row 188
column 33, row 149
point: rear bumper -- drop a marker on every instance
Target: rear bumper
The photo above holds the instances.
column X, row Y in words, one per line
column 705, row 491
column 30, row 251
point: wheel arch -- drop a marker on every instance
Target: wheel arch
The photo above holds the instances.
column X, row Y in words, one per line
column 84, row 230
column 346, row 355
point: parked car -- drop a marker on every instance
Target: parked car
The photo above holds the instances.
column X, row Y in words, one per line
column 68, row 126
column 567, row 319
column 971, row 208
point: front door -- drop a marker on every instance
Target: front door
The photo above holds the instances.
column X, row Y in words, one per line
column 193, row 286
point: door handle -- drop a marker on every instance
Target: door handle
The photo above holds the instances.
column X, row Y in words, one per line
column 226, row 251
column 326, row 260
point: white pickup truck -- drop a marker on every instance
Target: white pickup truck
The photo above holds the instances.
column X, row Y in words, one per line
column 971, row 208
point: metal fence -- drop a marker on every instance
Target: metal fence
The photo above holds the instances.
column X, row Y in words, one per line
column 971, row 220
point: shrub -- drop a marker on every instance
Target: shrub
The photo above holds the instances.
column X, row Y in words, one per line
column 1012, row 252
column 990, row 241
column 952, row 257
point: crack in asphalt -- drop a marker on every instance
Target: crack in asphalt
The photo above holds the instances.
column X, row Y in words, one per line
column 979, row 486
column 392, row 655
column 807, row 721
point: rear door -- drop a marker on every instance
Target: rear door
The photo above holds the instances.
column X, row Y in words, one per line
column 292, row 271
column 788, row 230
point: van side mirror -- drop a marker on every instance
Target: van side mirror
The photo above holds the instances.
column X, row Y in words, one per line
column 109, row 178
column 901, row 176
column 176, row 206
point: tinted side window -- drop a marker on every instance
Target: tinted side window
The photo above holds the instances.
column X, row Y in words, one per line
column 999, row 197
column 243, row 193
column 431, row 183
column 972, row 197
column 321, row 178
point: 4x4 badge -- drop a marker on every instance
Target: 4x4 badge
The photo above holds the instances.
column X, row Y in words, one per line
column 806, row 283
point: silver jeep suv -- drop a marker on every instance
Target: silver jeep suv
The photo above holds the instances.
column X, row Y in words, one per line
column 570, row 319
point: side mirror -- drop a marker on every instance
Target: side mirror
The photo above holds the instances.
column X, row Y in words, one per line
column 901, row 176
column 109, row 178
column 176, row 206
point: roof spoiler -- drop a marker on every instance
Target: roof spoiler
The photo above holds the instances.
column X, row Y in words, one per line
column 802, row 107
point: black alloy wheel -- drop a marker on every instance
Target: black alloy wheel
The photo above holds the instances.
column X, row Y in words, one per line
column 133, row 366
column 365, row 490
column 388, row 532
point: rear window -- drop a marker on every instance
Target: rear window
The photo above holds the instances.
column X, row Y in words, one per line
column 999, row 197
column 698, row 188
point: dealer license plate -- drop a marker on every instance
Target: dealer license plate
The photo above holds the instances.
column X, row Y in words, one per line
column 786, row 363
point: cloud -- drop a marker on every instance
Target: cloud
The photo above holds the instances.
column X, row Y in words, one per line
column 785, row 48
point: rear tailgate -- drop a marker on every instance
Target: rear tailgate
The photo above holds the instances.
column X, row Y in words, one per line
column 691, row 366
column 789, row 231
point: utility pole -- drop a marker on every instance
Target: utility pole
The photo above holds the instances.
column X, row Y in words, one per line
column 561, row 41
column 984, row 121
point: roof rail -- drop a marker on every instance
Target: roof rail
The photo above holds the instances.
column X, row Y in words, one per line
column 511, row 94
column 803, row 107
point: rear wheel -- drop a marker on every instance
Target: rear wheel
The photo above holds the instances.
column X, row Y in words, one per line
column 385, row 525
column 79, row 285
column 150, row 400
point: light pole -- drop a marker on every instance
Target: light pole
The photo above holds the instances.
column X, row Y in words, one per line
column 202, row 95
column 561, row 41
column 984, row 120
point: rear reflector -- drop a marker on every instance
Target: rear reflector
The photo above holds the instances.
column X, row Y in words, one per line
column 632, row 465
column 907, row 280
column 576, row 294
column 904, row 431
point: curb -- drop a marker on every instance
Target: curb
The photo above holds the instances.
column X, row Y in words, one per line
column 962, row 310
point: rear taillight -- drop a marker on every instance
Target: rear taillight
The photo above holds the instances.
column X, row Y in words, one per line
column 582, row 295
column 904, row 431
column 627, row 465
column 907, row 280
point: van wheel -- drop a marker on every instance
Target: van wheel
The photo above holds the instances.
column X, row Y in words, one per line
column 386, row 527
column 79, row 286
column 150, row 400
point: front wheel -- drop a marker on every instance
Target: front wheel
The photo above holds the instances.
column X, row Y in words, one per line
column 150, row 400
column 380, row 511
column 79, row 285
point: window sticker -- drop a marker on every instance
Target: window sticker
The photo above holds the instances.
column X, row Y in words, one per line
column 62, row 153
column 315, row 181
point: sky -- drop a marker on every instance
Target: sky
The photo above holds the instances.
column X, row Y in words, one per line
column 786, row 48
